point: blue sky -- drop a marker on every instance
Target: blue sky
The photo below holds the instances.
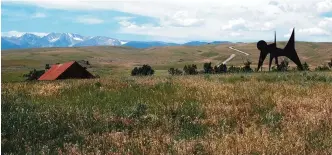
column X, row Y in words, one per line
column 174, row 21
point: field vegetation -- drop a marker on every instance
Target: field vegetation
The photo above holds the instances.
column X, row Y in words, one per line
column 249, row 113
column 187, row 104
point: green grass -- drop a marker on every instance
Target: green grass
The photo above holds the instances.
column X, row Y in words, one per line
column 179, row 114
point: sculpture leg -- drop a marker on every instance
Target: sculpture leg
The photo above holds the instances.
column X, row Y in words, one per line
column 270, row 62
column 296, row 60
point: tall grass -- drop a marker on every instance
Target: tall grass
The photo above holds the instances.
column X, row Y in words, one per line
column 288, row 113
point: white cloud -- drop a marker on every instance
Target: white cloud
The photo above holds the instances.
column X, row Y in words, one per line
column 211, row 19
column 324, row 6
column 235, row 34
column 314, row 31
column 89, row 20
column 181, row 18
column 39, row 15
column 325, row 23
column 18, row 34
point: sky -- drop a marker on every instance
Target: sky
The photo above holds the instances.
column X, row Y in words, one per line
column 172, row 20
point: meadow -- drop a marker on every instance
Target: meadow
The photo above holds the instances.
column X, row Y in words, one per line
column 229, row 113
column 256, row 113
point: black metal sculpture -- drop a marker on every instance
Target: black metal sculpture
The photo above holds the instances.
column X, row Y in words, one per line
column 289, row 51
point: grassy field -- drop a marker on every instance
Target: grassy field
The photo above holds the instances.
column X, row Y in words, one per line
column 252, row 113
column 257, row 113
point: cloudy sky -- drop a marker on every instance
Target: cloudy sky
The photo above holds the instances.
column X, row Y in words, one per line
column 172, row 20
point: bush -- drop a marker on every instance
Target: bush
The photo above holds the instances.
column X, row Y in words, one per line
column 330, row 64
column 247, row 67
column 234, row 69
column 220, row 69
column 47, row 66
column 282, row 67
column 34, row 75
column 190, row 69
column 175, row 71
column 305, row 67
column 208, row 68
column 144, row 70
column 322, row 68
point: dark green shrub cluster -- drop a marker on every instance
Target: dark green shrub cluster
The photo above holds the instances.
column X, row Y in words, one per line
column 208, row 68
column 330, row 64
column 190, row 69
column 305, row 67
column 220, row 68
column 234, row 69
column 144, row 70
column 174, row 71
column 34, row 75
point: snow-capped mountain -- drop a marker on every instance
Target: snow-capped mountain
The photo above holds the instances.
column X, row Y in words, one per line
column 99, row 41
column 75, row 40
column 56, row 40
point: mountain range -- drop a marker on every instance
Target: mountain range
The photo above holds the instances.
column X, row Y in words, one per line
column 75, row 40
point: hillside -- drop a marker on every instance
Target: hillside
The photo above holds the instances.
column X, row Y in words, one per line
column 113, row 59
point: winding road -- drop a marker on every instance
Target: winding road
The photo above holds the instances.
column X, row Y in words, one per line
column 233, row 55
column 231, row 47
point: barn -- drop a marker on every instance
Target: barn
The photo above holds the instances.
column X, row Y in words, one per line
column 68, row 70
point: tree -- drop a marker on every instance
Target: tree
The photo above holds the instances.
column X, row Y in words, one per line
column 208, row 68
column 190, row 69
column 47, row 66
column 34, row 75
column 220, row 69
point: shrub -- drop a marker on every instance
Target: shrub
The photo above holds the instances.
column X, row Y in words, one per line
column 247, row 67
column 234, row 69
column 322, row 68
column 282, row 67
column 305, row 67
column 175, row 71
column 34, row 75
column 220, row 69
column 144, row 70
column 47, row 66
column 208, row 68
column 330, row 64
column 190, row 69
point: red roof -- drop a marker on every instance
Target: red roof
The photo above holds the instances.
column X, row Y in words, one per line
column 55, row 71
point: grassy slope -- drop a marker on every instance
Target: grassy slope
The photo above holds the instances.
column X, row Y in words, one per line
column 114, row 59
column 219, row 114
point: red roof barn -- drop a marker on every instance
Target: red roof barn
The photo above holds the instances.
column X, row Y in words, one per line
column 68, row 70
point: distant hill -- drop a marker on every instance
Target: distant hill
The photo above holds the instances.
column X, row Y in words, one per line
column 142, row 44
column 199, row 43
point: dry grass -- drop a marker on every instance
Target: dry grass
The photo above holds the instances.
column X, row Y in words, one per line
column 286, row 113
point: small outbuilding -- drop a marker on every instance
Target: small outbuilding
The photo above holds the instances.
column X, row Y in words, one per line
column 68, row 70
